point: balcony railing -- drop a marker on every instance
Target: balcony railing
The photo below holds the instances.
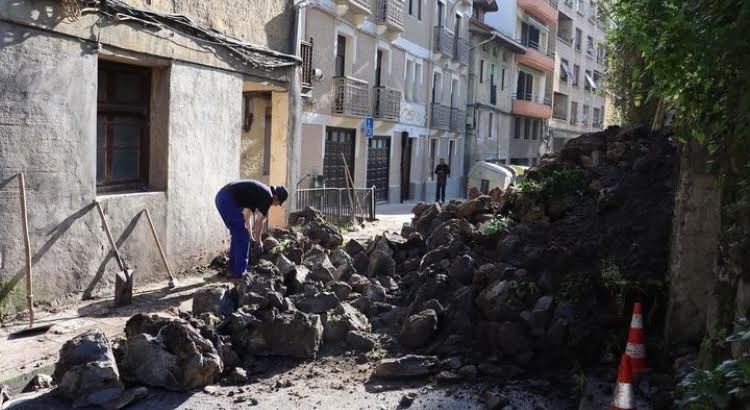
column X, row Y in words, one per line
column 458, row 120
column 533, row 98
column 440, row 117
column 351, row 96
column 461, row 52
column 443, row 41
column 493, row 94
column 560, row 116
column 390, row 13
column 306, row 52
column 387, row 103
column 565, row 39
column 534, row 45
column 363, row 5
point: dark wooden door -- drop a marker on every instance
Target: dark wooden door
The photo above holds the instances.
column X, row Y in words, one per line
column 405, row 166
column 338, row 141
column 378, row 166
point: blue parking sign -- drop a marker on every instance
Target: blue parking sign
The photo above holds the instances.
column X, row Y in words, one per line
column 369, row 127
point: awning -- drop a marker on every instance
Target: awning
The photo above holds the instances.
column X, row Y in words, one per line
column 591, row 82
column 566, row 67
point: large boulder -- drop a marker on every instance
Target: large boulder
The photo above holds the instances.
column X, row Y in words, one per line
column 423, row 223
column 296, row 278
column 172, row 355
column 462, row 270
column 354, row 247
column 270, row 332
column 341, row 320
column 381, row 264
column 321, row 268
column 284, row 265
column 214, row 299
column 361, row 263
column 340, row 257
column 499, row 301
column 449, row 231
column 419, row 329
column 317, row 302
column 86, row 371
column 479, row 205
column 260, row 279
column 406, row 367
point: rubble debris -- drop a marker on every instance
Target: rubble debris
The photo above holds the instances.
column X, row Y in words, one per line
column 406, row 367
column 407, row 400
column 86, row 372
column 361, row 341
column 344, row 318
column 237, row 376
column 418, row 329
column 168, row 353
column 38, row 382
column 314, row 226
column 271, row 332
column 218, row 300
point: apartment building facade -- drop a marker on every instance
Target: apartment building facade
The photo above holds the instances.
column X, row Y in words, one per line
column 384, row 84
column 578, row 102
column 492, row 72
column 533, row 24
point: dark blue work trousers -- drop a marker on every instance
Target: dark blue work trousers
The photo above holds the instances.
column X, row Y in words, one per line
column 239, row 249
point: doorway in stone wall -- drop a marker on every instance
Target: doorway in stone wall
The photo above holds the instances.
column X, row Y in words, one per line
column 379, row 166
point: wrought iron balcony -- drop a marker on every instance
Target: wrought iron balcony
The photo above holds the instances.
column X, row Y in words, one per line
column 387, row 104
column 440, row 117
column 458, row 120
column 443, row 42
column 461, row 52
column 351, row 96
column 390, row 13
column 358, row 6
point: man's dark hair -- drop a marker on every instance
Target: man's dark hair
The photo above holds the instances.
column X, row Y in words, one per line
column 280, row 193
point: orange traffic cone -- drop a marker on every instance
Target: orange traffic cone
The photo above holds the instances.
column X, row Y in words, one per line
column 636, row 349
column 623, row 398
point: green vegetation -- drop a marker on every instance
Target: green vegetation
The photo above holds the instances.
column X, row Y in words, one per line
column 281, row 247
column 558, row 182
column 497, row 225
column 617, row 285
column 724, row 387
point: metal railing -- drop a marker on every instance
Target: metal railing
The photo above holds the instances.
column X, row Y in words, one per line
column 565, row 40
column 461, row 52
column 443, row 41
column 336, row 203
column 440, row 116
column 535, row 98
column 387, row 103
column 458, row 120
column 363, row 4
column 536, row 46
column 351, row 96
column 306, row 52
column 390, row 12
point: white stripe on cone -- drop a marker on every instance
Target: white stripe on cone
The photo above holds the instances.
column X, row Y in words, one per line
column 637, row 322
column 636, row 351
column 623, row 397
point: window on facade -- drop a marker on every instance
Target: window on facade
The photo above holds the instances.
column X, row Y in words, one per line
column 530, row 36
column 595, row 119
column 409, row 83
column 418, row 92
column 436, row 87
column 576, row 72
column 526, row 128
column 600, row 53
column 122, row 135
column 519, row 161
column 579, row 37
column 574, row 112
column 517, row 127
column 451, row 147
column 454, row 93
column 484, row 186
column 502, row 80
column 588, row 80
column 490, row 127
column 525, row 86
column 564, row 70
column 590, row 46
column 433, row 152
column 481, row 71
column 340, row 65
column 585, row 116
column 440, row 13
column 535, row 130
column 419, row 9
column 597, row 80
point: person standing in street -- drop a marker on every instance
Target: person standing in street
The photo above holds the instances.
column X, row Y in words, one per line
column 238, row 203
column 442, row 171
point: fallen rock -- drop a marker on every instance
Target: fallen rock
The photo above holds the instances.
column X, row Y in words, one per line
column 341, row 289
column 237, row 376
column 406, row 366
column 381, row 264
column 462, row 270
column 270, row 332
column 172, row 355
column 418, row 329
column 359, row 283
column 260, row 279
column 494, row 399
column 215, row 299
column 86, row 371
column 128, row 396
column 468, row 372
column 339, row 257
column 315, row 303
column 407, row 400
column 38, row 382
column 285, row 265
column 449, row 231
column 296, row 279
column 481, row 204
column 360, row 341
column 353, row 247
column 361, row 263
column 448, row 377
column 541, row 315
column 341, row 320
column 498, row 301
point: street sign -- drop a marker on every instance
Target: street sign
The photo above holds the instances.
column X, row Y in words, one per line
column 369, row 127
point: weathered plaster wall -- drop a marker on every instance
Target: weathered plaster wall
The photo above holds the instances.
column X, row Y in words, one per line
column 253, row 142
column 48, row 112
